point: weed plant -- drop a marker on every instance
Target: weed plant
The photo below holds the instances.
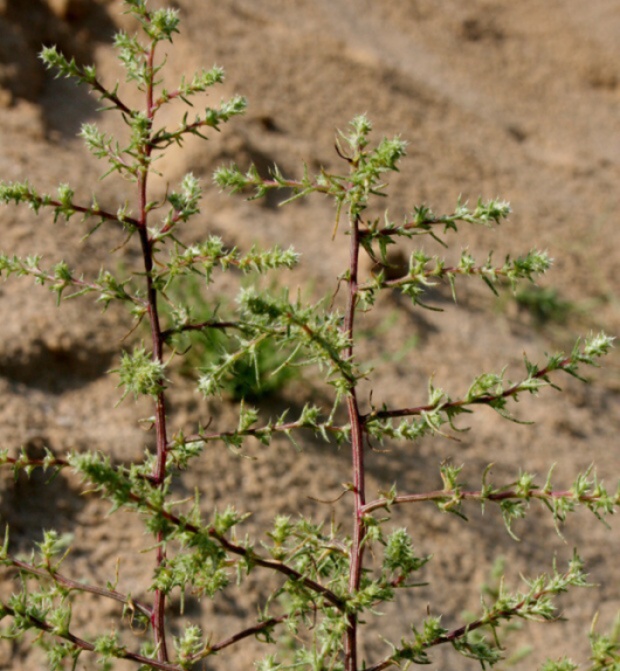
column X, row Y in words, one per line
column 328, row 579
column 262, row 374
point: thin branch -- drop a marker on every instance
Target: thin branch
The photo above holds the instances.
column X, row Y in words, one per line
column 388, row 231
column 485, row 399
column 42, row 201
column 357, row 454
column 434, row 274
column 112, row 97
column 250, row 631
column 78, row 586
column 258, row 432
column 59, row 284
column 480, row 495
column 24, row 462
column 158, row 618
column 280, row 567
column 42, row 625
column 199, row 326
column 491, row 618
column 249, row 555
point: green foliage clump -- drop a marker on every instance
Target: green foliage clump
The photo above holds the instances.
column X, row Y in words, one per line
column 260, row 373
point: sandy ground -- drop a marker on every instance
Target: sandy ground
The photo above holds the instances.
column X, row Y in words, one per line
column 519, row 100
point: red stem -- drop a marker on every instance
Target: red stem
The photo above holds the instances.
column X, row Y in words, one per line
column 357, row 450
column 159, row 469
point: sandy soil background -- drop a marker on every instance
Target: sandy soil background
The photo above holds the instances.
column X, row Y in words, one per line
column 495, row 98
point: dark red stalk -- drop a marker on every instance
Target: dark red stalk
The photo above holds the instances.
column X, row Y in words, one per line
column 159, row 470
column 357, row 452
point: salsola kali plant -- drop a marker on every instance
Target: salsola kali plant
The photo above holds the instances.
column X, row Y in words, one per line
column 327, row 579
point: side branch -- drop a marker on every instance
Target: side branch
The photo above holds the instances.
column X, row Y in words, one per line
column 81, row 644
column 75, row 585
column 104, row 215
column 260, row 432
column 535, row 604
column 52, row 58
column 424, row 220
column 455, row 496
column 249, row 555
column 235, row 638
column 23, row 192
column 104, row 94
column 425, row 276
column 200, row 326
column 274, row 565
column 480, row 392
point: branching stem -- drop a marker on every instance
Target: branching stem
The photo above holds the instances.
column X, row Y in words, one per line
column 357, row 450
column 159, row 470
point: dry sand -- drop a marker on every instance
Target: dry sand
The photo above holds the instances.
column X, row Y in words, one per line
column 516, row 99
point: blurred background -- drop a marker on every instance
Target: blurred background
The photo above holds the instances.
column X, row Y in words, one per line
column 495, row 98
